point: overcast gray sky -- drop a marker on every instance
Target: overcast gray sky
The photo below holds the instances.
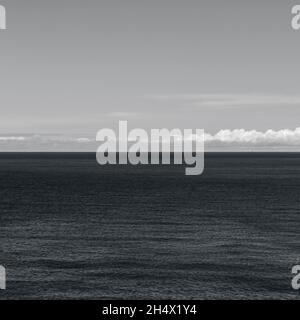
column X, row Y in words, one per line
column 74, row 66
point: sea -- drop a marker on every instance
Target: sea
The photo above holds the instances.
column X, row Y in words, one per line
column 72, row 229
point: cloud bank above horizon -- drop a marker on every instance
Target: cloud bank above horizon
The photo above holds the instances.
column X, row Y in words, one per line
column 229, row 140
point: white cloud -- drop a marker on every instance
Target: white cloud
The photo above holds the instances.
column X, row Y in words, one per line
column 283, row 137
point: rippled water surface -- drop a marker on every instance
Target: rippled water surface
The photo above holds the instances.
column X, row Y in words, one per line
column 70, row 228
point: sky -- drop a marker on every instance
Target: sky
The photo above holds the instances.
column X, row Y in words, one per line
column 70, row 67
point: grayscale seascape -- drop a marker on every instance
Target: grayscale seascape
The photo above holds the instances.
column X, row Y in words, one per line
column 72, row 229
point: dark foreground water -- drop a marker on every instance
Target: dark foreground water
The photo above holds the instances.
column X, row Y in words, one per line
column 72, row 229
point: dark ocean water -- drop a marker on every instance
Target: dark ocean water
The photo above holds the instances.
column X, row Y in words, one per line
column 70, row 228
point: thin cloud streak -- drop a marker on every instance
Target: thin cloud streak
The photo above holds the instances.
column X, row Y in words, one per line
column 228, row 100
column 12, row 139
